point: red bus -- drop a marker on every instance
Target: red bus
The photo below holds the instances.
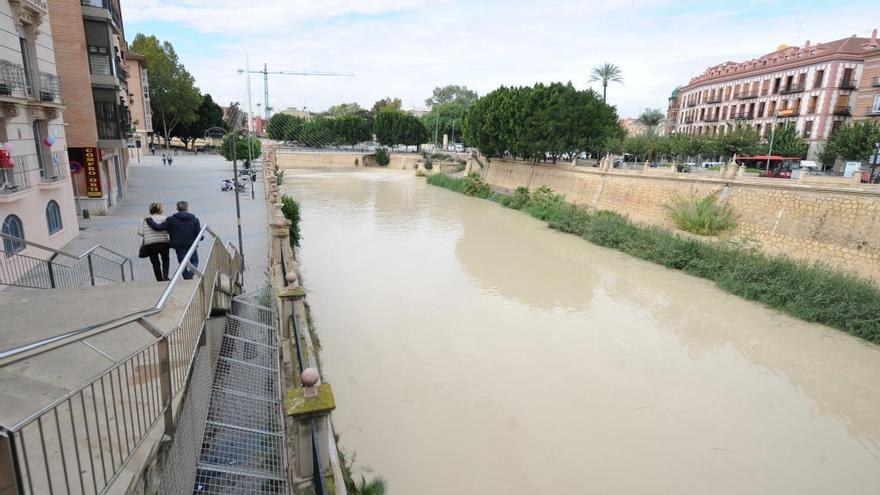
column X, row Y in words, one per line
column 773, row 166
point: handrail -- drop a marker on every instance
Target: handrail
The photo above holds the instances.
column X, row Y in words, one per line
column 58, row 251
column 122, row 320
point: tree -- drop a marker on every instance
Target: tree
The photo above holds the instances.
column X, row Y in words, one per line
column 651, row 118
column 606, row 73
column 174, row 98
column 386, row 103
column 351, row 129
column 242, row 152
column 233, row 117
column 395, row 127
column 343, row 109
column 452, row 93
column 741, row 140
column 854, row 142
column 787, row 142
column 208, row 115
column 540, row 122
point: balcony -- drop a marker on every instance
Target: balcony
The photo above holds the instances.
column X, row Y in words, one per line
column 102, row 10
column 847, row 85
column 714, row 99
column 688, row 120
column 842, row 111
column 747, row 95
column 692, row 103
column 710, row 119
column 794, row 88
column 50, row 90
column 744, row 116
column 17, row 178
column 13, row 81
column 788, row 112
column 54, row 167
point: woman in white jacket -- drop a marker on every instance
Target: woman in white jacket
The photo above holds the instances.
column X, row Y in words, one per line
column 156, row 242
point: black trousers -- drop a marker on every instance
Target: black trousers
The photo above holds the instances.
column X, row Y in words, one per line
column 159, row 259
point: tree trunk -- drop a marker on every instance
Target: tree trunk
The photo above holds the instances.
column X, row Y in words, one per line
column 604, row 90
column 165, row 129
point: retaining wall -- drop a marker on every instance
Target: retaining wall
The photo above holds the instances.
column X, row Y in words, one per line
column 834, row 223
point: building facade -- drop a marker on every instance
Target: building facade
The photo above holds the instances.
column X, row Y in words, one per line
column 812, row 87
column 90, row 48
column 868, row 97
column 36, row 200
column 139, row 103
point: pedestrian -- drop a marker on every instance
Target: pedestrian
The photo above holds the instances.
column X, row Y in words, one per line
column 170, row 160
column 183, row 229
column 164, row 160
column 152, row 149
column 156, row 243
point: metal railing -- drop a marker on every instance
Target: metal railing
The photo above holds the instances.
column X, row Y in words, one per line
column 745, row 95
column 842, row 110
column 87, row 269
column 50, row 89
column 15, row 179
column 847, row 84
column 54, row 167
column 794, row 88
column 13, row 80
column 82, row 441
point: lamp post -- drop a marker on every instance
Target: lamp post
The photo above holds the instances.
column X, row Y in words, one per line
column 770, row 150
column 221, row 132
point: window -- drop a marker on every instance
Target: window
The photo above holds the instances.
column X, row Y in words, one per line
column 99, row 60
column 808, row 129
column 27, row 62
column 814, row 102
column 760, row 110
column 820, row 75
column 12, row 226
column 53, row 217
column 876, row 107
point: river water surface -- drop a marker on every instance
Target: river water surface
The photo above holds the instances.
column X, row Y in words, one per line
column 472, row 350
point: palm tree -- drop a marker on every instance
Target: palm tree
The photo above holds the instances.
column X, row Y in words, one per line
column 606, row 73
column 651, row 118
column 375, row 486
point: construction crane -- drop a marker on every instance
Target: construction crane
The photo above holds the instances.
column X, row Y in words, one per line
column 266, row 72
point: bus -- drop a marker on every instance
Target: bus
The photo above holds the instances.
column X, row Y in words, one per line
column 780, row 167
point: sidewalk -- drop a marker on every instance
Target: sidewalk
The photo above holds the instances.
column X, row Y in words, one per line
column 192, row 178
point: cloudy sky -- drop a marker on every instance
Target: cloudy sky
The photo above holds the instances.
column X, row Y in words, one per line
column 404, row 48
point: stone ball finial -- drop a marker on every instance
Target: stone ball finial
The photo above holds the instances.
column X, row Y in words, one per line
column 290, row 277
column 310, row 377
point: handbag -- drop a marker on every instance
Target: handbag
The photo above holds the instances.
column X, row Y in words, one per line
column 142, row 251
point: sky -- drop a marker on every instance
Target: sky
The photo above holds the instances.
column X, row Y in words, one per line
column 405, row 48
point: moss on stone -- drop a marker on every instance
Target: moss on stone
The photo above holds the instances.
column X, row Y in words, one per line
column 296, row 404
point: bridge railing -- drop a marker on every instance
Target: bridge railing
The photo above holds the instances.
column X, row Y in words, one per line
column 82, row 441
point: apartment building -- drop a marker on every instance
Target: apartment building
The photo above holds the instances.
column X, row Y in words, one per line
column 90, row 48
column 36, row 200
column 867, row 104
column 139, row 102
column 812, row 87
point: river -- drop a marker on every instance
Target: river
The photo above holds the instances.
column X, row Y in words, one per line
column 472, row 350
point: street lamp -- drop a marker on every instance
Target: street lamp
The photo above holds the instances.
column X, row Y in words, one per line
column 247, row 73
column 215, row 132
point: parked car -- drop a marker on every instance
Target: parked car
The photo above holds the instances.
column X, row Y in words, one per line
column 712, row 164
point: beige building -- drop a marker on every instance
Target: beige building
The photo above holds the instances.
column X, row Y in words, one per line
column 90, row 47
column 36, row 200
column 139, row 103
column 812, row 87
column 867, row 104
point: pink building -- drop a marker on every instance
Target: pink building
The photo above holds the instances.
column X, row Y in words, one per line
column 811, row 87
column 36, row 197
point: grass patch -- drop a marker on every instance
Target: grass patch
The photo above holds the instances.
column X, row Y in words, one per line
column 471, row 185
column 702, row 216
column 809, row 291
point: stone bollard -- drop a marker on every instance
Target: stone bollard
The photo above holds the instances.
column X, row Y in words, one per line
column 309, row 408
column 741, row 172
column 645, row 168
column 857, row 177
column 673, row 169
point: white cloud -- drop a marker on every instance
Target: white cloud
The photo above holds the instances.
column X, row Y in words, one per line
column 404, row 48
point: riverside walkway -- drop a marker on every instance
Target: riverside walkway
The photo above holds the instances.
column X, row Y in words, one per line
column 192, row 178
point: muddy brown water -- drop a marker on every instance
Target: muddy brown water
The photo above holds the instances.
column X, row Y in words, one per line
column 472, row 350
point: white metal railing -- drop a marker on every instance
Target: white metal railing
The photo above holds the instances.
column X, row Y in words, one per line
column 82, row 441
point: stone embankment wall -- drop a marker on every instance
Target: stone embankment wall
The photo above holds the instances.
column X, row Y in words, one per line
column 830, row 220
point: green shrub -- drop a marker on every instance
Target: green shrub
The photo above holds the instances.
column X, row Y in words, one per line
column 447, row 182
column 703, row 216
column 544, row 204
column 519, row 199
column 474, row 185
column 279, row 177
column 428, row 164
column 382, row 157
column 290, row 210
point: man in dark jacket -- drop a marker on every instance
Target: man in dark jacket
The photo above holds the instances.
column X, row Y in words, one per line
column 183, row 228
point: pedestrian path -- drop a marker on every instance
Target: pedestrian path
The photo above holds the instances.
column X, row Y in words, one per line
column 192, row 178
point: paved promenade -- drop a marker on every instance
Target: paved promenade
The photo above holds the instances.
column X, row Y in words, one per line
column 192, row 178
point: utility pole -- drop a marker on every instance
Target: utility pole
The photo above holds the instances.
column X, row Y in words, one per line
column 770, row 151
